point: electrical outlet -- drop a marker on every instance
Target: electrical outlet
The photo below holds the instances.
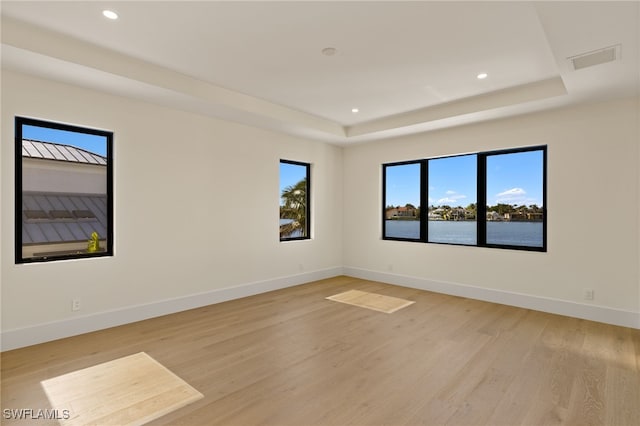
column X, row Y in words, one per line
column 588, row 294
column 75, row 305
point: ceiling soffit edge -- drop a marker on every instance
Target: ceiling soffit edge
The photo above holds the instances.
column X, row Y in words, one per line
column 208, row 99
column 30, row 38
column 529, row 92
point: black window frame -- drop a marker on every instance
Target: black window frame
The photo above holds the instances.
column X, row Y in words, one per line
column 423, row 199
column 481, row 208
column 427, row 183
column 108, row 135
column 307, row 228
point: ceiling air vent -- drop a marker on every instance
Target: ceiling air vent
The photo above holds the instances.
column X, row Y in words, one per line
column 595, row 57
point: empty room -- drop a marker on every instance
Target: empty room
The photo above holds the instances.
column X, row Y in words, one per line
column 320, row 213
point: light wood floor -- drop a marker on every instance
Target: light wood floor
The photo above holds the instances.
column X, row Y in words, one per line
column 290, row 357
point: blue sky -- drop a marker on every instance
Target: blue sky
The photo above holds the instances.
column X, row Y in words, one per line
column 511, row 179
column 290, row 174
column 452, row 181
column 92, row 143
column 515, row 178
column 403, row 185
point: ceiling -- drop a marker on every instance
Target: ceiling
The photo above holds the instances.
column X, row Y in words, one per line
column 406, row 66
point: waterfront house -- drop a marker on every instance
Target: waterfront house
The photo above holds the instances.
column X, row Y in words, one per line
column 401, row 212
column 495, row 216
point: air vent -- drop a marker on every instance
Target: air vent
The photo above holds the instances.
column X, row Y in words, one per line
column 595, row 57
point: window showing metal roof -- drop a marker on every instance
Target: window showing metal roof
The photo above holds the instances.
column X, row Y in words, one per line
column 55, row 218
column 60, row 152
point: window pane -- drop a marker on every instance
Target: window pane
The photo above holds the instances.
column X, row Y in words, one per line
column 452, row 200
column 515, row 184
column 402, row 201
column 294, row 200
column 63, row 191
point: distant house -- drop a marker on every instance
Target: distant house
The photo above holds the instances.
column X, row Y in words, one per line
column 401, row 212
column 494, row 216
column 64, row 198
column 437, row 214
column 520, row 216
column 458, row 214
column 537, row 216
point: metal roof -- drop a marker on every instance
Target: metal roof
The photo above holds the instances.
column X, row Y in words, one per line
column 56, row 218
column 60, row 152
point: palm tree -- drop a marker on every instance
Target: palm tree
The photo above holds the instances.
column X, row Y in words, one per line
column 294, row 208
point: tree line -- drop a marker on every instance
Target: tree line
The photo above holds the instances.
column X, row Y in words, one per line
column 521, row 212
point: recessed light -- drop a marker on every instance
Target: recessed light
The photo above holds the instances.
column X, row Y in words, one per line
column 355, row 110
column 329, row 51
column 482, row 76
column 110, row 14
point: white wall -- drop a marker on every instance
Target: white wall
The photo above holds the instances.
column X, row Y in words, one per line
column 592, row 201
column 52, row 175
column 196, row 215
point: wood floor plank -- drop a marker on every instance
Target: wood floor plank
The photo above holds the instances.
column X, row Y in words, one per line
column 291, row 357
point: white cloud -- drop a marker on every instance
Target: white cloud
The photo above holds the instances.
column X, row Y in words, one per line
column 515, row 196
column 453, row 196
column 512, row 192
column 446, row 200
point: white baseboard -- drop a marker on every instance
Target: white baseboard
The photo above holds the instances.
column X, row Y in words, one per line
column 17, row 338
column 555, row 306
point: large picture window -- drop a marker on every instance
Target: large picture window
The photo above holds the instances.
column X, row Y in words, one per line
column 486, row 199
column 64, row 191
column 294, row 200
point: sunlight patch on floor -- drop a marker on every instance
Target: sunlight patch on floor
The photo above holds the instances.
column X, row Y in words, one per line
column 376, row 302
column 132, row 390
